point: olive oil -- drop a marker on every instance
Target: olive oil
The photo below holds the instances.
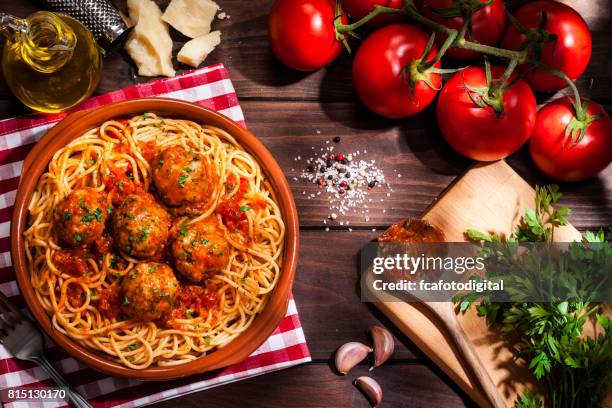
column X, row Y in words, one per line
column 50, row 61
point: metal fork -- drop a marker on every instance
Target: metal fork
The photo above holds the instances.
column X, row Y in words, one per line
column 22, row 339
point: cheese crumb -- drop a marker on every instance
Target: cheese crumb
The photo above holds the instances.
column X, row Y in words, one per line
column 191, row 17
column 195, row 51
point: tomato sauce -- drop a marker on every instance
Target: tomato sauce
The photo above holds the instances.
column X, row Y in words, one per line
column 75, row 295
column 232, row 214
column 110, row 300
column 191, row 301
column 70, row 262
column 120, row 185
column 148, row 151
column 104, row 245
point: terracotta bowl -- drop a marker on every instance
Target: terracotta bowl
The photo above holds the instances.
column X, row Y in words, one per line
column 77, row 124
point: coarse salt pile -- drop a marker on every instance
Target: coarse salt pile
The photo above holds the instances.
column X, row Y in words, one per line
column 347, row 178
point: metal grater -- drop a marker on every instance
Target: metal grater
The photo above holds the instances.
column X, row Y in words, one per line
column 105, row 22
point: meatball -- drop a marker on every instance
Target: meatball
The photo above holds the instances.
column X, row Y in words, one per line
column 80, row 217
column 183, row 179
column 199, row 250
column 141, row 226
column 149, row 291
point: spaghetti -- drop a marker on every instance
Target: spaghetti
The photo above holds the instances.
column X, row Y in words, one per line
column 101, row 292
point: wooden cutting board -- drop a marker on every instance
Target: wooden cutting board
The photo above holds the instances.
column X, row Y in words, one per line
column 488, row 197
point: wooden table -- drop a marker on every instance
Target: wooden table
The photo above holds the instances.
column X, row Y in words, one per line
column 292, row 112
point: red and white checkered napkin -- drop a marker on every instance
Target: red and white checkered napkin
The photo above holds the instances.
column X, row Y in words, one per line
column 210, row 87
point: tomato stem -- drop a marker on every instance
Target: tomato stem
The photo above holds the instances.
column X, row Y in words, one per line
column 579, row 106
column 499, row 85
column 425, row 65
column 348, row 28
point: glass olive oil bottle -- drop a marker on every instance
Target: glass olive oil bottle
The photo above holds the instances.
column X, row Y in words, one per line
column 50, row 61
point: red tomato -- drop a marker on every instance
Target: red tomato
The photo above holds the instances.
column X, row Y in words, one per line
column 357, row 9
column 488, row 24
column 378, row 66
column 302, row 33
column 570, row 52
column 479, row 132
column 561, row 159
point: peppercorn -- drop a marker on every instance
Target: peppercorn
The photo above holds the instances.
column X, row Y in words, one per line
column 337, row 139
column 311, row 168
column 372, row 183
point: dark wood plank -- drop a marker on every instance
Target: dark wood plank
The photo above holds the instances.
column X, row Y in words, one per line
column 316, row 385
column 257, row 74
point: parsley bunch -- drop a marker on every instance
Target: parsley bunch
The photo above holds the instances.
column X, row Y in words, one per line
column 575, row 369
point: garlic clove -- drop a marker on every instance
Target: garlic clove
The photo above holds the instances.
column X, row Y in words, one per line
column 383, row 345
column 351, row 354
column 371, row 389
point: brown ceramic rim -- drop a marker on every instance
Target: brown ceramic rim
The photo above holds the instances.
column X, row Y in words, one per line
column 77, row 124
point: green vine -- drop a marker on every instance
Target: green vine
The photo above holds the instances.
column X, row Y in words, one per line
column 527, row 53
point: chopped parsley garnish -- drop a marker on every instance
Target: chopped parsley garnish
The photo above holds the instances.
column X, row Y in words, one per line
column 121, row 185
column 144, row 116
column 243, row 278
column 189, row 314
column 91, row 161
column 196, row 327
column 126, row 301
column 182, row 179
column 207, row 339
column 144, row 233
column 109, row 210
column 67, row 216
column 196, row 158
column 204, row 242
column 188, row 169
column 132, row 346
column 245, row 208
column 78, row 238
column 133, row 275
column 98, row 214
column 128, row 248
column 153, row 269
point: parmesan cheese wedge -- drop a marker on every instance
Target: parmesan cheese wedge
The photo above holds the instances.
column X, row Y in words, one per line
column 148, row 8
column 191, row 17
column 149, row 44
column 194, row 52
